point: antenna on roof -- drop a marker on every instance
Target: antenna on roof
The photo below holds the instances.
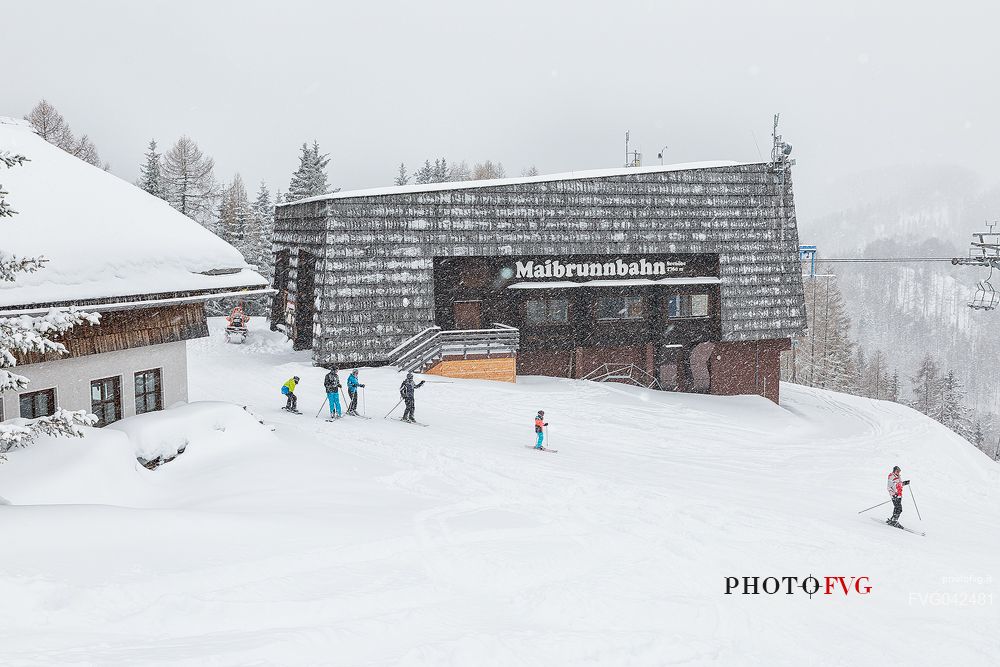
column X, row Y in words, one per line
column 780, row 150
column 634, row 158
column 780, row 162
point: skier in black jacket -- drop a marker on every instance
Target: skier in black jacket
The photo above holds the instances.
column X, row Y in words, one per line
column 406, row 391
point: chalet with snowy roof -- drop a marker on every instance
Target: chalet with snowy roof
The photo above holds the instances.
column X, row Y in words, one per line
column 117, row 251
column 683, row 277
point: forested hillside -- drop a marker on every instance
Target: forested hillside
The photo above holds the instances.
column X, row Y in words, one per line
column 873, row 321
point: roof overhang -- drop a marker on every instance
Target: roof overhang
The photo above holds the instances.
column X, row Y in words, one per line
column 635, row 282
column 110, row 306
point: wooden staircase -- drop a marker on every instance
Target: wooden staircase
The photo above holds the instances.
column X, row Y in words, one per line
column 488, row 354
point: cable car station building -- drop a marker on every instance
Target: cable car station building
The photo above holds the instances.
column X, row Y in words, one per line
column 684, row 278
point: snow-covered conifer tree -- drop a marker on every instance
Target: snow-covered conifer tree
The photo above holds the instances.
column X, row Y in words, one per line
column 925, row 385
column 440, row 174
column 824, row 357
column 425, row 174
column 858, row 380
column 234, row 221
column 189, row 182
column 150, row 178
column 892, row 389
column 256, row 243
column 24, row 334
column 402, row 178
column 309, row 180
column 952, row 410
column 877, row 381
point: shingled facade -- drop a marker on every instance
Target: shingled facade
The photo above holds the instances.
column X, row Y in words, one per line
column 356, row 270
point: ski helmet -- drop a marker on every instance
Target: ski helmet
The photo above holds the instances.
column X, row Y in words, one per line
column 409, row 376
column 541, row 412
column 895, row 468
column 354, row 372
column 296, row 378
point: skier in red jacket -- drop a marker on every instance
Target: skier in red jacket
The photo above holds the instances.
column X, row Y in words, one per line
column 895, row 487
column 540, row 425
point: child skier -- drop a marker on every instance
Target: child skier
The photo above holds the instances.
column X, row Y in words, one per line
column 288, row 390
column 332, row 384
column 352, row 391
column 895, row 487
column 540, row 425
column 406, row 391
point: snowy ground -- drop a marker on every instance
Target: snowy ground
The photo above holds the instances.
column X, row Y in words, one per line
column 375, row 542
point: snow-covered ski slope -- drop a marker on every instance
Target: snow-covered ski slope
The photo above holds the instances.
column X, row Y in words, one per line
column 366, row 542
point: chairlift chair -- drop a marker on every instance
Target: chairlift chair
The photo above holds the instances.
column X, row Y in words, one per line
column 986, row 296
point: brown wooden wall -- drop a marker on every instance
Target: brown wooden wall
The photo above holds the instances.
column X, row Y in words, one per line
column 126, row 329
column 500, row 369
column 747, row 367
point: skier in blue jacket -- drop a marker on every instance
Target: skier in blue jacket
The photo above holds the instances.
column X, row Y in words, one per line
column 352, row 390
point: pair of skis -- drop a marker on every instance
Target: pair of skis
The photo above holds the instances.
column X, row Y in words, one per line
column 542, row 449
column 346, row 414
column 415, row 423
column 909, row 530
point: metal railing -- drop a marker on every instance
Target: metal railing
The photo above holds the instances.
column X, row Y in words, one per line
column 627, row 373
column 432, row 344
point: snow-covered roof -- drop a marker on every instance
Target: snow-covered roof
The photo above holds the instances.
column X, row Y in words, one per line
column 545, row 178
column 104, row 237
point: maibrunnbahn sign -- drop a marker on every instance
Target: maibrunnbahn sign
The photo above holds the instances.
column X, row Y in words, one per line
column 609, row 267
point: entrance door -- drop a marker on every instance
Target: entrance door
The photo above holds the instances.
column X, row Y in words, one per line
column 468, row 314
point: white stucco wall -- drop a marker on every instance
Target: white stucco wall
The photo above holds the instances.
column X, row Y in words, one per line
column 71, row 377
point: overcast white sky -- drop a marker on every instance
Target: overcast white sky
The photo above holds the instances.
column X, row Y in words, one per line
column 554, row 84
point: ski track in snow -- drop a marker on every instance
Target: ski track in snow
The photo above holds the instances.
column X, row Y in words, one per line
column 373, row 542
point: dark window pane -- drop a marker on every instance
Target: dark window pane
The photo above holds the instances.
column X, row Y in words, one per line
column 547, row 311
column 619, row 307
column 536, row 311
column 106, row 400
column 147, row 391
column 559, row 311
column 38, row 404
column 699, row 305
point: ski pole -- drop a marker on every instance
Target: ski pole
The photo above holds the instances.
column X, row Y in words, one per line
column 915, row 503
column 874, row 506
column 393, row 409
column 364, row 404
column 322, row 406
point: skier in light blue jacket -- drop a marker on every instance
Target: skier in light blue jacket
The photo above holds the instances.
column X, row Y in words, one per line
column 352, row 390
